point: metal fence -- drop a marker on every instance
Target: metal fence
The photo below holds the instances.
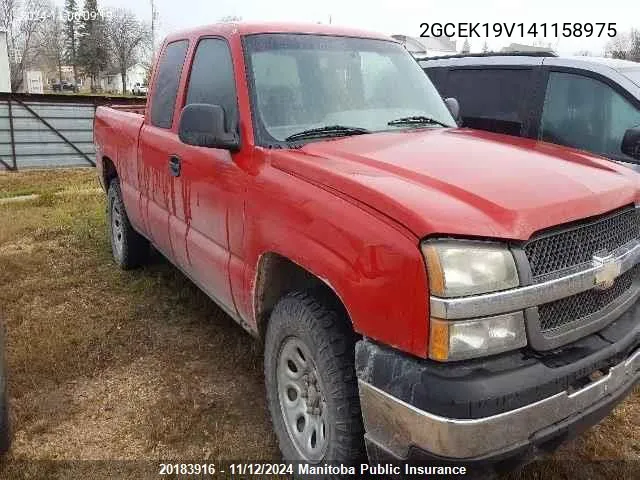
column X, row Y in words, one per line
column 44, row 131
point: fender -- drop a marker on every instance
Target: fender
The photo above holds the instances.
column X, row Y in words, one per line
column 377, row 271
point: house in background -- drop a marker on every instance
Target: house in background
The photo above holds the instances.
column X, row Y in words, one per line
column 111, row 81
column 427, row 46
column 33, row 81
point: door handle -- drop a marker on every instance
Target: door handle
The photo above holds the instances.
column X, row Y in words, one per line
column 174, row 165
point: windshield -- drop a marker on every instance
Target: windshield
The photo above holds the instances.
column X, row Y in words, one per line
column 302, row 82
column 634, row 75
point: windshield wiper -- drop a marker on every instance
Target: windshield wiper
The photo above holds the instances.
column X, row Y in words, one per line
column 328, row 131
column 417, row 120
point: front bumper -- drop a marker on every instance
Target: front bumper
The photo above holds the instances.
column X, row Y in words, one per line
column 398, row 426
column 497, row 408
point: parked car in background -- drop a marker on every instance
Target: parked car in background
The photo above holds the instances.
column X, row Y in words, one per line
column 582, row 102
column 434, row 293
column 64, row 87
column 140, row 89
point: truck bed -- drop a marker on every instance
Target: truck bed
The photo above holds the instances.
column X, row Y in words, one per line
column 116, row 131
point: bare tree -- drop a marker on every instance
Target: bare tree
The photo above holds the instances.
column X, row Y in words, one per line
column 53, row 40
column 619, row 46
column 22, row 20
column 634, row 47
column 485, row 47
column 466, row 46
column 128, row 38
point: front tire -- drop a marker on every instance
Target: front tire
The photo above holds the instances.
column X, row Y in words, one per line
column 312, row 390
column 129, row 248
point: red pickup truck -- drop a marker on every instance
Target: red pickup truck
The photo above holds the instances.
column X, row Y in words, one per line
column 423, row 292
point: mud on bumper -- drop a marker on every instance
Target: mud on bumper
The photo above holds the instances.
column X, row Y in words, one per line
column 497, row 410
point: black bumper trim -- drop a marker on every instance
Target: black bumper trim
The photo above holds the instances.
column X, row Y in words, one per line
column 485, row 387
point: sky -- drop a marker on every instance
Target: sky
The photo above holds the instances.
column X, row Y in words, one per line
column 402, row 17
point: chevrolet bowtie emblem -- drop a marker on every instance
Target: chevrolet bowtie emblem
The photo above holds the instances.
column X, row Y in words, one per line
column 608, row 272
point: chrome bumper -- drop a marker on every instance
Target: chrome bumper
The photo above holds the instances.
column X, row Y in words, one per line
column 397, row 426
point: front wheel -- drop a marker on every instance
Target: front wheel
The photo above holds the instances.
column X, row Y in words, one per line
column 312, row 390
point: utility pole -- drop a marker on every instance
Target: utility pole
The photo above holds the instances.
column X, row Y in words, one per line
column 154, row 19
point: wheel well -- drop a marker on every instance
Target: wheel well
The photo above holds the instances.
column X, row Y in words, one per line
column 278, row 276
column 109, row 171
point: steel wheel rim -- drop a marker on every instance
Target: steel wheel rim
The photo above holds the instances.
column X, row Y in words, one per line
column 302, row 400
column 117, row 230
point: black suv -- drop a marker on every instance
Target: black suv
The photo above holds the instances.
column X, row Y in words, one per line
column 584, row 102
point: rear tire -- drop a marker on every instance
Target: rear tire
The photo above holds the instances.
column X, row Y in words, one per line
column 129, row 248
column 312, row 390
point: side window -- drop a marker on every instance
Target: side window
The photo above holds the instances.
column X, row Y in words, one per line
column 585, row 113
column 490, row 99
column 166, row 86
column 212, row 80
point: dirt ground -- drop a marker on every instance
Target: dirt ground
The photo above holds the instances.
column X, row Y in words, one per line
column 135, row 368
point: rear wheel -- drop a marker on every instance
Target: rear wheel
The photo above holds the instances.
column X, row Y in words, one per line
column 129, row 248
column 311, row 384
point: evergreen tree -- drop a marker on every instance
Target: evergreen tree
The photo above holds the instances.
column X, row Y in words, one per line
column 93, row 48
column 71, row 36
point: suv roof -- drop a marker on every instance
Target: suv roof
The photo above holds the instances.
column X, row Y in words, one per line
column 615, row 63
column 600, row 65
column 491, row 54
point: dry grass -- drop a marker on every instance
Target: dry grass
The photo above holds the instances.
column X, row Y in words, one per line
column 46, row 181
column 111, row 365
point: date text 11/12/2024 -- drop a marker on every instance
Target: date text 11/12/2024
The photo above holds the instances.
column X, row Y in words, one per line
column 307, row 469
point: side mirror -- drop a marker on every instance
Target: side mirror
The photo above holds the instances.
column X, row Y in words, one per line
column 203, row 125
column 631, row 143
column 454, row 107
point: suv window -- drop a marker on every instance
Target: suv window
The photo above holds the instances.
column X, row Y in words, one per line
column 212, row 80
column 586, row 113
column 490, row 99
column 166, row 87
column 438, row 75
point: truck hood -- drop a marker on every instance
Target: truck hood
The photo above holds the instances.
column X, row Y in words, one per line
column 464, row 182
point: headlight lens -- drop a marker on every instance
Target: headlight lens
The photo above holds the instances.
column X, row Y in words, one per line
column 458, row 268
column 463, row 339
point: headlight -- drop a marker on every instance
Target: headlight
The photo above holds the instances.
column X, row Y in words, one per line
column 458, row 268
column 463, row 339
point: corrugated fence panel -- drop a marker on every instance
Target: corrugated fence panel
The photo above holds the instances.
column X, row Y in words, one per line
column 49, row 130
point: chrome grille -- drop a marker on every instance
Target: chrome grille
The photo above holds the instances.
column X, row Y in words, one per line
column 576, row 244
column 576, row 307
